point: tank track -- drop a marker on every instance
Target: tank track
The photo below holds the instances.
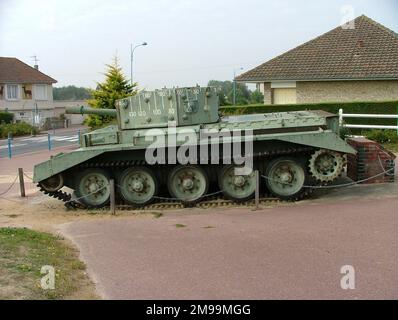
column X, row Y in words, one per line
column 210, row 202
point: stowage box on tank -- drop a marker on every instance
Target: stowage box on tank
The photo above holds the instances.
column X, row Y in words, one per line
column 173, row 143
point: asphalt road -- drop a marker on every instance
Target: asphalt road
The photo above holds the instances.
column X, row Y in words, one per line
column 38, row 143
column 287, row 252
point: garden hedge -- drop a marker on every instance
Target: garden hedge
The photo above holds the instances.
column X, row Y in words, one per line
column 6, row 117
column 17, row 129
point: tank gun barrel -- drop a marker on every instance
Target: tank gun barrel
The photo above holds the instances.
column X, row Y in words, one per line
column 88, row 110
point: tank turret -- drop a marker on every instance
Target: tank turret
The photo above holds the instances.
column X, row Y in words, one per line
column 168, row 107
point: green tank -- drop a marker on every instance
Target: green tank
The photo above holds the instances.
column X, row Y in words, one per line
column 173, row 143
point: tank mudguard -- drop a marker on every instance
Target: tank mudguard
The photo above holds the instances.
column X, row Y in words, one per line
column 62, row 162
column 323, row 140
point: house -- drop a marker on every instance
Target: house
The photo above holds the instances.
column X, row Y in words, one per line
column 25, row 91
column 345, row 64
column 73, row 119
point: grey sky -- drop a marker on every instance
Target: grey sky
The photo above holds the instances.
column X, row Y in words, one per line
column 189, row 42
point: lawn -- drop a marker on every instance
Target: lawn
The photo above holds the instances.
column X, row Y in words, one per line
column 392, row 146
column 24, row 252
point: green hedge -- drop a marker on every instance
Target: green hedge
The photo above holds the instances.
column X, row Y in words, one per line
column 383, row 136
column 6, row 117
column 386, row 107
column 17, row 129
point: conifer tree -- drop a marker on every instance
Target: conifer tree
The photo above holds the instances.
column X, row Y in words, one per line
column 115, row 87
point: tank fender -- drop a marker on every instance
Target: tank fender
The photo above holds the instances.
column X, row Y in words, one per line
column 61, row 162
column 323, row 140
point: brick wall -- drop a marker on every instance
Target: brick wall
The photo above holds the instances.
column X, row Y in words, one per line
column 346, row 91
column 370, row 161
column 265, row 89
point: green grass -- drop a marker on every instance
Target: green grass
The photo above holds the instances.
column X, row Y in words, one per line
column 157, row 215
column 180, row 226
column 23, row 252
column 391, row 146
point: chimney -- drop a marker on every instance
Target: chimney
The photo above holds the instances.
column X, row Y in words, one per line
column 36, row 66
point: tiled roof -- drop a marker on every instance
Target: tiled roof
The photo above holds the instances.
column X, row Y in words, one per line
column 13, row 70
column 370, row 51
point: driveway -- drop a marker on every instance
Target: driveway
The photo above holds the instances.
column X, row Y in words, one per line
column 286, row 252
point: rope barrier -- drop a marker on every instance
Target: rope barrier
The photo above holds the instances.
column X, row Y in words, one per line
column 10, row 187
column 87, row 195
column 30, row 178
column 177, row 199
column 385, row 172
column 14, row 201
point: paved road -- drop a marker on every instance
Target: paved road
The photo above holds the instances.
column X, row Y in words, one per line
column 39, row 143
column 292, row 252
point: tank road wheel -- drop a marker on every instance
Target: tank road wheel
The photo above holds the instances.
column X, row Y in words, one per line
column 138, row 186
column 52, row 184
column 286, row 178
column 92, row 188
column 188, row 183
column 326, row 165
column 236, row 187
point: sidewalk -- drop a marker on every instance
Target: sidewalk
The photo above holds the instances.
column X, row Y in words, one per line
column 9, row 169
column 74, row 128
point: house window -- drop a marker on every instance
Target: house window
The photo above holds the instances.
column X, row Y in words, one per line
column 27, row 92
column 40, row 92
column 12, row 92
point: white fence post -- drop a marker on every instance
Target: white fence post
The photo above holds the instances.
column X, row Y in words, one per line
column 341, row 117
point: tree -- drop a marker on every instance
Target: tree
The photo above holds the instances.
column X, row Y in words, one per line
column 256, row 97
column 115, row 87
column 71, row 93
column 226, row 92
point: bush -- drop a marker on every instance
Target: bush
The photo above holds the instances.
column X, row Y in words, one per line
column 6, row 117
column 17, row 129
column 382, row 136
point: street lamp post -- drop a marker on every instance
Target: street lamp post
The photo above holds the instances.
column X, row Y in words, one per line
column 132, row 58
column 234, row 85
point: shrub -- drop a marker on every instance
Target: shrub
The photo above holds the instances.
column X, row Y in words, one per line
column 382, row 136
column 17, row 129
column 6, row 117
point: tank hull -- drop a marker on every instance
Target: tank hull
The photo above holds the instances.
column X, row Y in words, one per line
column 172, row 144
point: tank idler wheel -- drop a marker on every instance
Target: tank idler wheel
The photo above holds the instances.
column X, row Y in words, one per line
column 188, row 183
column 236, row 186
column 138, row 186
column 52, row 184
column 92, row 188
column 285, row 178
column 326, row 165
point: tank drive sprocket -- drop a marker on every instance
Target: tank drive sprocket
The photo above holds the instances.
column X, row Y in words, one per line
column 326, row 165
